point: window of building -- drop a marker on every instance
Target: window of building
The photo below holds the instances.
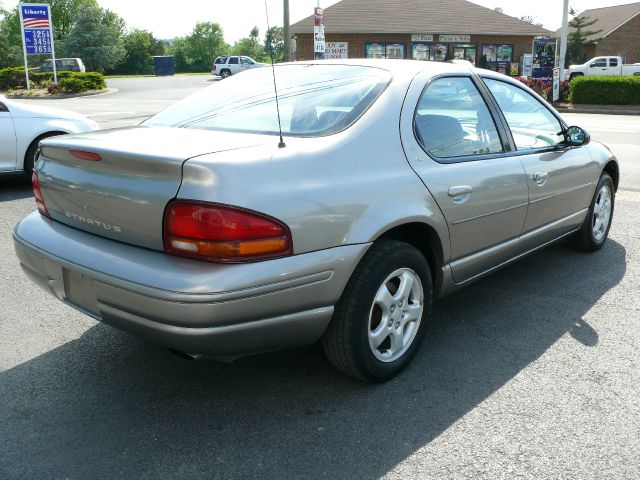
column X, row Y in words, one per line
column 465, row 52
column 435, row 52
column 497, row 57
column 385, row 50
column 452, row 120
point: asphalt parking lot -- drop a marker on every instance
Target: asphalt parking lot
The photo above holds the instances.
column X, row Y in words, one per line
column 529, row 373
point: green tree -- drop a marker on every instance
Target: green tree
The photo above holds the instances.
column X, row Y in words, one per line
column 197, row 51
column 96, row 38
column 577, row 39
column 138, row 45
column 178, row 48
column 249, row 46
column 10, row 38
column 531, row 20
column 64, row 13
column 274, row 40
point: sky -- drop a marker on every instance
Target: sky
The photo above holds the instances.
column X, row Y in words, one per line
column 237, row 17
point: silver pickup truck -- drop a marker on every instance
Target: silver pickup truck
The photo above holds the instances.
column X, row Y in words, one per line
column 604, row 66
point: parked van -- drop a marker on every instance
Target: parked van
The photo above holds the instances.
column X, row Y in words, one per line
column 62, row 64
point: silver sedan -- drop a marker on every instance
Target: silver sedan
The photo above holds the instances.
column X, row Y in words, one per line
column 230, row 224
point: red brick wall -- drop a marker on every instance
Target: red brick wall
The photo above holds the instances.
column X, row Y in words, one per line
column 624, row 42
column 522, row 44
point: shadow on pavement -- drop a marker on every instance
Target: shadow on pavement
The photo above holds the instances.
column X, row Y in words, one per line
column 109, row 406
column 15, row 187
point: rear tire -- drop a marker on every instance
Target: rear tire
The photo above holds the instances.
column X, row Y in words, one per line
column 381, row 317
column 595, row 229
column 225, row 73
column 30, row 156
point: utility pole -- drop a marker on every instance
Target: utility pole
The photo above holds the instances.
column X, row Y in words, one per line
column 564, row 34
column 285, row 30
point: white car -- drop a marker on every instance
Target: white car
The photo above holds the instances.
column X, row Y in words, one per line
column 22, row 126
column 226, row 66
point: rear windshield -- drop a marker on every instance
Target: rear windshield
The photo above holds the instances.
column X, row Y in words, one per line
column 315, row 100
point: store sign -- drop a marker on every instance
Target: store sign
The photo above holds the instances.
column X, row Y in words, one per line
column 336, row 50
column 37, row 41
column 419, row 37
column 37, row 36
column 36, row 27
column 455, row 38
column 556, row 84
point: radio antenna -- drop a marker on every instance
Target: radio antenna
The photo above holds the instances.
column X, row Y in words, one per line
column 281, row 144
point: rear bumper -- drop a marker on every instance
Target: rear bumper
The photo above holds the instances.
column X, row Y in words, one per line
column 188, row 305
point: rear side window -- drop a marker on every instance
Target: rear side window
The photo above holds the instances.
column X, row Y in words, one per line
column 613, row 62
column 233, row 61
column 452, row 120
column 532, row 124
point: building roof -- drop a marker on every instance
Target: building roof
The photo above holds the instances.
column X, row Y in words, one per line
column 417, row 16
column 609, row 18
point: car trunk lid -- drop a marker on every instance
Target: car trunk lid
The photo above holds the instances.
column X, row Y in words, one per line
column 116, row 183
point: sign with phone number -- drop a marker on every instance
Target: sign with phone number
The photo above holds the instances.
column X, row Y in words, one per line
column 37, row 41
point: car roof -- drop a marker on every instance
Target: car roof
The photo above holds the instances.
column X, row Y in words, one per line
column 410, row 67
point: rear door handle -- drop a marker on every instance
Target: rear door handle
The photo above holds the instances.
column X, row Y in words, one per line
column 540, row 177
column 460, row 190
column 460, row 193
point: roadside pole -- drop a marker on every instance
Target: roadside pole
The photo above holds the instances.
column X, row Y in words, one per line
column 564, row 34
column 24, row 50
column 318, row 33
column 286, row 34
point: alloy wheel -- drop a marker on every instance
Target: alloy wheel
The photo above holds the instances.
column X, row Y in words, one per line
column 395, row 315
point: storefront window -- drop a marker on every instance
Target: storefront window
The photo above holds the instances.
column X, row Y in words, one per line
column 436, row 52
column 465, row 52
column 385, row 50
column 497, row 57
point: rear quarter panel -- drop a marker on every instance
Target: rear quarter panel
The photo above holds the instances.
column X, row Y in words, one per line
column 342, row 189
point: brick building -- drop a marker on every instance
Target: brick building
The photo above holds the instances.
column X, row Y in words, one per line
column 437, row 30
column 620, row 32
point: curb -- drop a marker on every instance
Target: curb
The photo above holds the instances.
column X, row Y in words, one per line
column 599, row 109
column 92, row 93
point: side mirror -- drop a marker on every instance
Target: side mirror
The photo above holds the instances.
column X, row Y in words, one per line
column 576, row 136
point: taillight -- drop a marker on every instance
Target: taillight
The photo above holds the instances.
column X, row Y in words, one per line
column 82, row 155
column 38, row 194
column 220, row 233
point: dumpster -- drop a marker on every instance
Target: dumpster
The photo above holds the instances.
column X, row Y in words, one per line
column 163, row 65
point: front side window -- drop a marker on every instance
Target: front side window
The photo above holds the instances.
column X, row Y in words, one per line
column 315, row 100
column 532, row 124
column 452, row 120
column 246, row 61
column 600, row 63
